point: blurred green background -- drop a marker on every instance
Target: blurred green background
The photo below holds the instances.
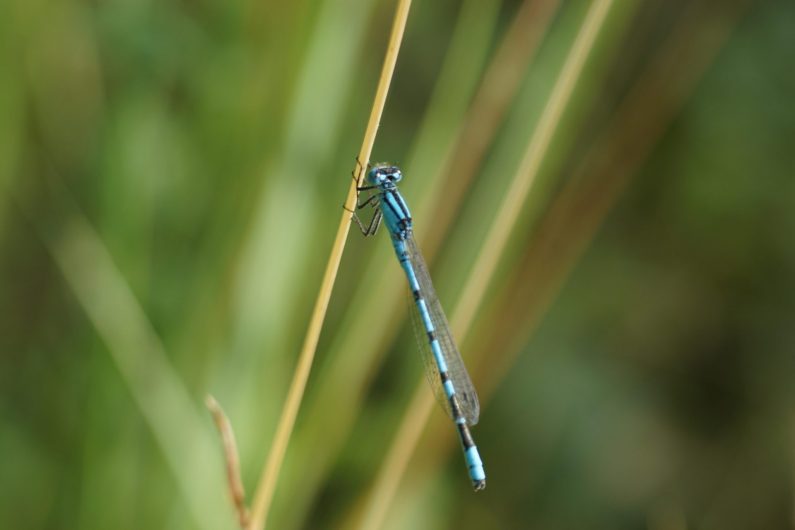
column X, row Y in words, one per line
column 171, row 175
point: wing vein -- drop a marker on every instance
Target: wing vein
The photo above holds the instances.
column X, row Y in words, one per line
column 464, row 389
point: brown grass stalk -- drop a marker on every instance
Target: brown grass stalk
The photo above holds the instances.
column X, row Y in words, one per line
column 270, row 473
column 234, row 480
column 498, row 87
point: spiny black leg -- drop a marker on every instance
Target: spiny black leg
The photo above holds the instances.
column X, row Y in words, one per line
column 359, row 222
column 357, row 172
column 371, row 228
column 355, row 176
column 375, row 223
column 371, row 201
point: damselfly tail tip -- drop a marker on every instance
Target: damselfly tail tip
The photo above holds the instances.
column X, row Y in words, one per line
column 479, row 485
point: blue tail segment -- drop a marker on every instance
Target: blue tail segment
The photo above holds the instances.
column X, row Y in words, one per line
column 443, row 364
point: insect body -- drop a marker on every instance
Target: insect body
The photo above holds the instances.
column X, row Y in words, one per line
column 443, row 364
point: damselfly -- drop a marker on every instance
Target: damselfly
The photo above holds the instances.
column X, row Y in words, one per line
column 443, row 364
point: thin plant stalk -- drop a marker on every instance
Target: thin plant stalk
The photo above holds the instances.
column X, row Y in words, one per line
column 234, row 480
column 270, row 473
column 460, row 71
column 416, row 417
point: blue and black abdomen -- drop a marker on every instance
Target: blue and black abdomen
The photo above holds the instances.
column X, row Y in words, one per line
column 444, row 367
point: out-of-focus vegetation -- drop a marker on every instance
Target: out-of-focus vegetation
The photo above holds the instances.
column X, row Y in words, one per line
column 171, row 175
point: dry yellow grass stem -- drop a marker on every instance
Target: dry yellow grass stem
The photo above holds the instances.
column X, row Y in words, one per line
column 416, row 416
column 235, row 483
column 270, row 473
column 345, row 364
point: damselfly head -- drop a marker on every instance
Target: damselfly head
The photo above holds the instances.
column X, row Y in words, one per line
column 384, row 175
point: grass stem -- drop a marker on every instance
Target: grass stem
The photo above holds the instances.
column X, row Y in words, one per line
column 270, row 473
column 235, row 483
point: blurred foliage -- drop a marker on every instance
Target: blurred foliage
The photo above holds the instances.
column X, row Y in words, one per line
column 171, row 175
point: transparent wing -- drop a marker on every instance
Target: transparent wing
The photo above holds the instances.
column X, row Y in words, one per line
column 431, row 369
column 465, row 391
